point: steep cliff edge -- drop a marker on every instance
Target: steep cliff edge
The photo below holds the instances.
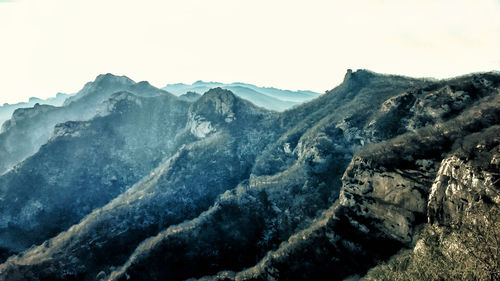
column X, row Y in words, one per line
column 461, row 240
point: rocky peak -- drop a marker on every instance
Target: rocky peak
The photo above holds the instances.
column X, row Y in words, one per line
column 215, row 106
column 111, row 78
column 101, row 86
column 358, row 76
column 217, row 102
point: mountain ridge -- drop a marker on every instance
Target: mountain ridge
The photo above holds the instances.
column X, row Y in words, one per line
column 325, row 190
column 269, row 97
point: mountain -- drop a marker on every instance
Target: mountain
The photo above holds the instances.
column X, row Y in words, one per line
column 30, row 128
column 190, row 96
column 95, row 160
column 6, row 109
column 270, row 98
column 374, row 179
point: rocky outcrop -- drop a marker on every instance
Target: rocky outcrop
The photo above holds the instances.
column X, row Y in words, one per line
column 463, row 210
column 395, row 200
column 461, row 186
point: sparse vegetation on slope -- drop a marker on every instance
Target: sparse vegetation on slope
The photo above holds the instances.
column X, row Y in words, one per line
column 323, row 191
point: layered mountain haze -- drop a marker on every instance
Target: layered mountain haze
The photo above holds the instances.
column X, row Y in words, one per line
column 30, row 128
column 6, row 110
column 267, row 97
column 372, row 179
column 95, row 160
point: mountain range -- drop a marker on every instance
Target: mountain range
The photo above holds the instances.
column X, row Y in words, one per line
column 384, row 177
column 267, row 97
column 6, row 109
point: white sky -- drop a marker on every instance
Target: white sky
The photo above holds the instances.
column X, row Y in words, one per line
column 50, row 46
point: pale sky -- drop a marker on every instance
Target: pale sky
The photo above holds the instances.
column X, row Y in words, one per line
column 50, row 46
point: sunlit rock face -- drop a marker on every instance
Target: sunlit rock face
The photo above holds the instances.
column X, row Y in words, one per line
column 394, row 200
column 215, row 188
column 461, row 184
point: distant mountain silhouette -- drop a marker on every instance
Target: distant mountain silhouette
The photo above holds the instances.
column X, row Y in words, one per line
column 6, row 109
column 270, row 98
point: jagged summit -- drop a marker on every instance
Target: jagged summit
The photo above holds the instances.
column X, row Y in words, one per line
column 219, row 93
column 220, row 108
column 221, row 103
column 363, row 76
column 214, row 107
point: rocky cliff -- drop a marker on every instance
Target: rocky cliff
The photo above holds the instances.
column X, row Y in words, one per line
column 461, row 239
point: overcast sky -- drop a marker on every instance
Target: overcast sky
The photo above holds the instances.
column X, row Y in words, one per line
column 50, row 46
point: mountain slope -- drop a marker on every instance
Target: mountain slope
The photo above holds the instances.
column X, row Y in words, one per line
column 30, row 128
column 339, row 232
column 322, row 191
column 220, row 158
column 93, row 161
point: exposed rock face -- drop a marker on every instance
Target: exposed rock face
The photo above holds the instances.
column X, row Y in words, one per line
column 394, row 199
column 216, row 105
column 323, row 191
column 460, row 185
column 461, row 239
